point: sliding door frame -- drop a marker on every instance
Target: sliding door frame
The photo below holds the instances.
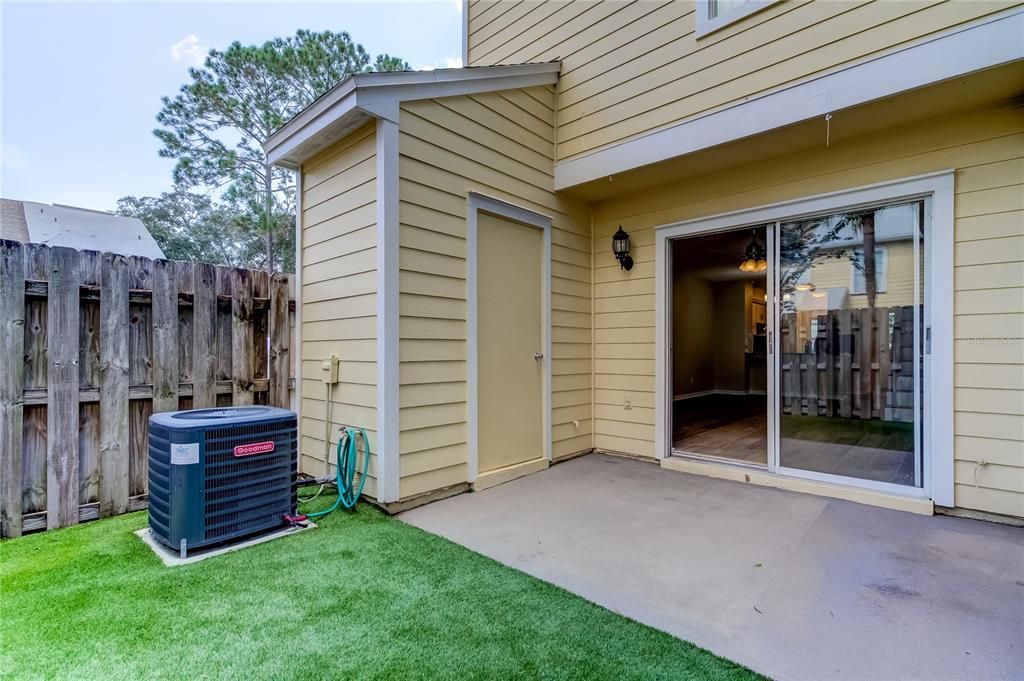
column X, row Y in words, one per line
column 937, row 190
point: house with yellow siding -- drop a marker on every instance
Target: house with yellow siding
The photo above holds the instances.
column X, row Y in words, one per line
column 780, row 242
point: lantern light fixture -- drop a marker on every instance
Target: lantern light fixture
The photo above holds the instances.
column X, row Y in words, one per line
column 620, row 247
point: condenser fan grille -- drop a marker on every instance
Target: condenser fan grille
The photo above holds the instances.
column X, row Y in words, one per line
column 159, row 479
column 251, row 490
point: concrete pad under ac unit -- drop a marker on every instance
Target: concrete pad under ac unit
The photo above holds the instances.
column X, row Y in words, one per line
column 170, row 557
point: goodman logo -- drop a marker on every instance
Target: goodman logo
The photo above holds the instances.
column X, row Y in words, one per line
column 254, row 448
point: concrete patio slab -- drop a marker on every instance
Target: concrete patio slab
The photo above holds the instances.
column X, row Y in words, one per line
column 793, row 586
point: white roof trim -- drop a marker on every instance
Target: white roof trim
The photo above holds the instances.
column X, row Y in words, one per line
column 363, row 96
column 991, row 42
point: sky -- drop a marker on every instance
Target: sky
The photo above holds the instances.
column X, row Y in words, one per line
column 81, row 82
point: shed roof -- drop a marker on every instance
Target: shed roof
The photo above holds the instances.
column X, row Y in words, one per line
column 81, row 228
column 364, row 96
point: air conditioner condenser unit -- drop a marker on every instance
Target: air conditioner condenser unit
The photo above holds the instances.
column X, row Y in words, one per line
column 218, row 475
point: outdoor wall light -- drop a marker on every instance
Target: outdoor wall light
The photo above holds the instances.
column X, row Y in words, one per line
column 620, row 247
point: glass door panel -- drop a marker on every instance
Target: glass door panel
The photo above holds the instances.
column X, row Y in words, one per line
column 849, row 344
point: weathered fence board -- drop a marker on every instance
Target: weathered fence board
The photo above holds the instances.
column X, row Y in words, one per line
column 184, row 270
column 12, row 383
column 242, row 350
column 105, row 339
column 113, row 393
column 165, row 336
column 204, row 337
column 224, row 334
column 62, row 349
column 860, row 366
column 280, row 333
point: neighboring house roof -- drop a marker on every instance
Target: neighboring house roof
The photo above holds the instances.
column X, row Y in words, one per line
column 365, row 96
column 79, row 228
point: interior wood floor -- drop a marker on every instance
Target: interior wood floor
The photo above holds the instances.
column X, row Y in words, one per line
column 724, row 426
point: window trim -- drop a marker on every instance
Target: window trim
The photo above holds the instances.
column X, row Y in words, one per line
column 707, row 24
column 882, row 277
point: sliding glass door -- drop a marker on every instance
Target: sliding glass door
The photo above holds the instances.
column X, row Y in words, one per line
column 848, row 350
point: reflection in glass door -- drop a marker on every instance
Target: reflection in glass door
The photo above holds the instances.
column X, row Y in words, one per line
column 849, row 372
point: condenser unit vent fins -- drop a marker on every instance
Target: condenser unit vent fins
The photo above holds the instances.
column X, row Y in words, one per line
column 220, row 474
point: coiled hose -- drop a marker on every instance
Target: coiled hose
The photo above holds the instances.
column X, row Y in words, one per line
column 345, row 470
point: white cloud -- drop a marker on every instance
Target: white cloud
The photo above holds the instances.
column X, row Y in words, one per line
column 446, row 63
column 189, row 51
column 13, row 159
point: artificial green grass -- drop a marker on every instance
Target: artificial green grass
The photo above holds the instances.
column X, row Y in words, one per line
column 364, row 596
column 877, row 433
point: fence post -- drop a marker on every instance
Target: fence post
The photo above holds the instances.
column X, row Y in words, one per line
column 114, row 385
column 12, row 384
column 62, row 320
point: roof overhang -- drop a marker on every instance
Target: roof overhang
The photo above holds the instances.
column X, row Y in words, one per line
column 365, row 96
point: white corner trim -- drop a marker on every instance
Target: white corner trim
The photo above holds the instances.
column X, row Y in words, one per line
column 937, row 189
column 477, row 203
column 297, row 283
column 662, row 346
column 939, row 289
column 388, row 431
column 966, row 49
column 708, row 24
column 465, row 32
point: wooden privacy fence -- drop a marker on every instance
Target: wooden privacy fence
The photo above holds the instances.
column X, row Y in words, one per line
column 859, row 365
column 93, row 343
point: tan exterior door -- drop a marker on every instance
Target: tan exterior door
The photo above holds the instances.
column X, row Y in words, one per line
column 509, row 343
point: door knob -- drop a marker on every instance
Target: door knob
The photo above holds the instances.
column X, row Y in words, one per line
column 538, row 355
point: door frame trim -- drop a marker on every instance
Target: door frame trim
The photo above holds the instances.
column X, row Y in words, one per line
column 477, row 203
column 939, row 187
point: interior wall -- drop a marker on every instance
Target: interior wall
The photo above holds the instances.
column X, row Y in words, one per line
column 693, row 365
column 729, row 332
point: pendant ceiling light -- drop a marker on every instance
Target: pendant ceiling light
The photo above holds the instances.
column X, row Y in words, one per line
column 754, row 258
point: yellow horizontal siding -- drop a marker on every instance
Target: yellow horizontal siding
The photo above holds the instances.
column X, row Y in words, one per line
column 499, row 144
column 339, row 296
column 987, row 150
column 630, row 68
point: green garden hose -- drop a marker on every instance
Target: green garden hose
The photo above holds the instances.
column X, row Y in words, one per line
column 345, row 475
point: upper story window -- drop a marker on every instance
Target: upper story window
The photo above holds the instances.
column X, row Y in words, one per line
column 858, row 286
column 714, row 14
